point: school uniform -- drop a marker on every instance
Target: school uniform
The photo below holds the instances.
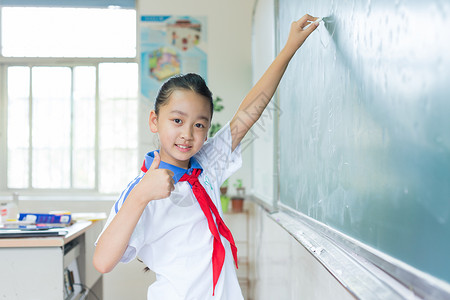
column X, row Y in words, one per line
column 172, row 236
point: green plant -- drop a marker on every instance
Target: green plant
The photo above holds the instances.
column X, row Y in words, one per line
column 214, row 128
column 238, row 184
column 224, row 188
column 240, row 189
column 237, row 201
column 217, row 104
column 225, row 183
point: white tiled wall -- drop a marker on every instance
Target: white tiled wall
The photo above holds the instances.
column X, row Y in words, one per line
column 281, row 268
column 238, row 223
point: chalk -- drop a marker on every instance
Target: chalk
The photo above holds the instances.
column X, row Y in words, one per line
column 316, row 21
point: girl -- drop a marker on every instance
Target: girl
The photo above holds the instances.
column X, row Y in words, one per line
column 168, row 215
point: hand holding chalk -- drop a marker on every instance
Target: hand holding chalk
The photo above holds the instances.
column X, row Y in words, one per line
column 300, row 30
column 318, row 20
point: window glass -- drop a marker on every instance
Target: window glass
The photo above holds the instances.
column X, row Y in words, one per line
column 51, row 125
column 118, row 124
column 68, row 32
column 18, row 126
column 84, row 127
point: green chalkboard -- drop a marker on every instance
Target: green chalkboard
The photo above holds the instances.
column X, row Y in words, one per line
column 364, row 130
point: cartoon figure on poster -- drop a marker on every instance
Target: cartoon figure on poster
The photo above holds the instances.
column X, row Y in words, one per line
column 170, row 45
column 163, row 63
column 185, row 34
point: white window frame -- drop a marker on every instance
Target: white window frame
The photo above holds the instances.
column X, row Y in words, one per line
column 70, row 62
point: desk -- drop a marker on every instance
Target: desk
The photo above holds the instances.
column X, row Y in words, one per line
column 33, row 268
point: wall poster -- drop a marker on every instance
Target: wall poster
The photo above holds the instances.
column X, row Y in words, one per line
column 170, row 45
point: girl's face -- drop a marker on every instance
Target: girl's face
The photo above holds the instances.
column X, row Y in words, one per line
column 182, row 124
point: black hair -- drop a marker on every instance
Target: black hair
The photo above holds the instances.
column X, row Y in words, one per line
column 190, row 81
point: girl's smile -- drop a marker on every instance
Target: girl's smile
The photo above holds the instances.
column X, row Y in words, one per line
column 183, row 148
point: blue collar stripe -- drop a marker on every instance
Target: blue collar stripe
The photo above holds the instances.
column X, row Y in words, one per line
column 177, row 171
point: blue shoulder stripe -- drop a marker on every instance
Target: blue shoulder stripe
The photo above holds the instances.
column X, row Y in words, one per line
column 127, row 191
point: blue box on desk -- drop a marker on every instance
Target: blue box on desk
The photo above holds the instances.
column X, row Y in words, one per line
column 45, row 218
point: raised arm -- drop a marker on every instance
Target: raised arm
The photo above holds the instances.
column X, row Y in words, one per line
column 259, row 96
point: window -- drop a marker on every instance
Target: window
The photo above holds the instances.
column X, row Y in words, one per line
column 70, row 98
column 68, row 32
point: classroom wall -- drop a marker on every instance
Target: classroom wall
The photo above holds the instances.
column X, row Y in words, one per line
column 264, row 175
